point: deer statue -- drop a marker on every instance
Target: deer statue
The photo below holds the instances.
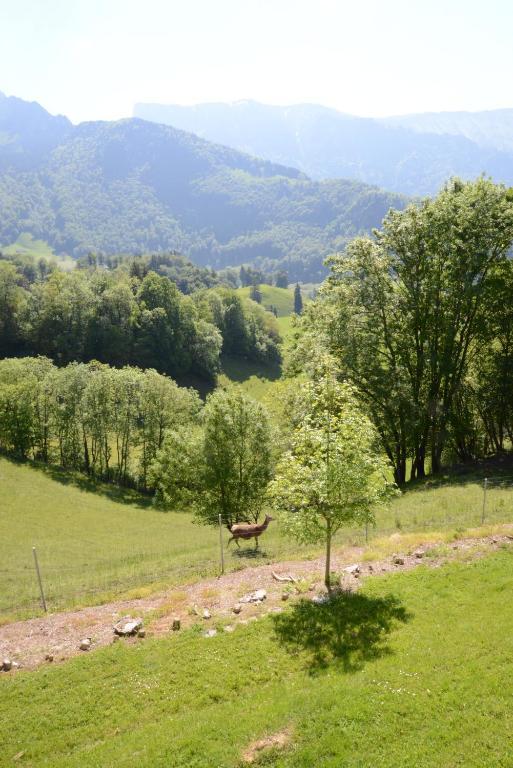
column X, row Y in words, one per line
column 249, row 531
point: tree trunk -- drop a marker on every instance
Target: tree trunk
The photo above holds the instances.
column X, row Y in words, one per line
column 327, row 579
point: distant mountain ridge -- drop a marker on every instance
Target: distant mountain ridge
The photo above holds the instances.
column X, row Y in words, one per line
column 414, row 155
column 491, row 128
column 133, row 186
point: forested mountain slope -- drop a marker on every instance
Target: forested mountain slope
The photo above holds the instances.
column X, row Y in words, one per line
column 411, row 156
column 134, row 186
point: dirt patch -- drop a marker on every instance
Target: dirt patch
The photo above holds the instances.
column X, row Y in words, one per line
column 58, row 636
column 256, row 749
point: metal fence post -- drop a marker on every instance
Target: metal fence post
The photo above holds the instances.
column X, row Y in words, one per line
column 39, row 580
column 484, row 500
column 221, row 543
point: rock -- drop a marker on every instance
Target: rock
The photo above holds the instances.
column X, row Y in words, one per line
column 371, row 568
column 85, row 644
column 210, row 633
column 207, row 614
column 285, row 596
column 229, row 628
column 175, row 626
column 141, row 633
column 320, row 599
column 352, row 569
column 398, row 560
column 419, row 553
column 288, row 577
column 15, row 665
column 6, row 665
column 237, row 608
column 49, row 657
column 127, row 627
column 254, row 597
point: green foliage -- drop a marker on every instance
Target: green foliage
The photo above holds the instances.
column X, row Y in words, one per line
column 123, row 315
column 402, row 313
column 225, row 469
column 333, row 475
column 105, row 421
column 298, row 300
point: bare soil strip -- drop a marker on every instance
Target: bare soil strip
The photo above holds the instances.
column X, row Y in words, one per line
column 57, row 637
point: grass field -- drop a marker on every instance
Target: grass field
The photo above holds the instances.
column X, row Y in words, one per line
column 27, row 245
column 96, row 542
column 281, row 298
column 416, row 669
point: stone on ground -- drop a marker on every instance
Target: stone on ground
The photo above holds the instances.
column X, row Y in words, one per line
column 127, row 626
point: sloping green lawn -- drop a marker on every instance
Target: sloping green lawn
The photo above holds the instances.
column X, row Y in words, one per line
column 96, row 542
column 281, row 298
column 415, row 670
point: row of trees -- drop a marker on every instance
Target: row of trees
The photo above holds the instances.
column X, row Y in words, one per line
column 122, row 318
column 107, row 422
column 420, row 320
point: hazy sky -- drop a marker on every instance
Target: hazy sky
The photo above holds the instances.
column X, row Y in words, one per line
column 92, row 59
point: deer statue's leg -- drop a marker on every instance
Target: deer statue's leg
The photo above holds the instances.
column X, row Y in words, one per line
column 237, row 542
column 256, row 542
column 228, row 543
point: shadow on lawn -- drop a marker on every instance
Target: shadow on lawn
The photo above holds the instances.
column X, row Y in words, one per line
column 247, row 553
column 350, row 628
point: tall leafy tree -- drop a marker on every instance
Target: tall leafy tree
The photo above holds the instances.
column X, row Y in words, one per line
column 401, row 312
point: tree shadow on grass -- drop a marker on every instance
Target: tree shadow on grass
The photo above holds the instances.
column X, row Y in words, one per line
column 350, row 629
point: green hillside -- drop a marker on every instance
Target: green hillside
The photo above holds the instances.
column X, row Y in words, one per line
column 27, row 245
column 414, row 669
column 281, row 298
column 132, row 186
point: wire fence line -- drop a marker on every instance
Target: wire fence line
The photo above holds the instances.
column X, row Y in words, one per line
column 88, row 576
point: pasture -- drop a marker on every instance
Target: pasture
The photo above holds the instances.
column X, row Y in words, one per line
column 27, row 245
column 416, row 668
column 281, row 298
column 96, row 542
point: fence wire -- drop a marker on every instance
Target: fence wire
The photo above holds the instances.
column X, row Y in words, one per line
column 89, row 576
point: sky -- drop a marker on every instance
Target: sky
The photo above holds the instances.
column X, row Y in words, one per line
column 93, row 59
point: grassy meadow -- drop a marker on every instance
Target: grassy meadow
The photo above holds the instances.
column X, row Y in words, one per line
column 414, row 669
column 27, row 245
column 281, row 298
column 96, row 542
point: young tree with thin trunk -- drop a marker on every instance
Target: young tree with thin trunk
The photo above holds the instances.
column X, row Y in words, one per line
column 333, row 475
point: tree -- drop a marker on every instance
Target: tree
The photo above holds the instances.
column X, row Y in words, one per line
column 333, row 474
column 282, row 279
column 236, row 459
column 255, row 293
column 401, row 313
column 298, row 301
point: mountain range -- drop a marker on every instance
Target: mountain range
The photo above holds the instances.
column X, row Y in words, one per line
column 412, row 155
column 134, row 186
